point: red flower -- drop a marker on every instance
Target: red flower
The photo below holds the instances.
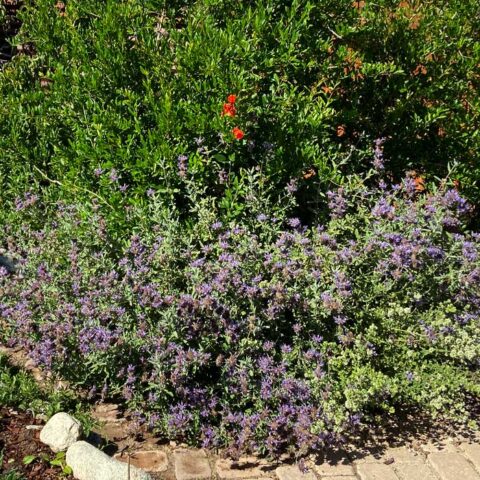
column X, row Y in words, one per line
column 237, row 133
column 232, row 99
column 229, row 110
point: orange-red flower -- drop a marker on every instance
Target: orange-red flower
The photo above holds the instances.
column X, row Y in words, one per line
column 237, row 133
column 229, row 110
column 232, row 98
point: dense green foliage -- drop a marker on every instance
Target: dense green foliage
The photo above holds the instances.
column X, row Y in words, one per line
column 132, row 85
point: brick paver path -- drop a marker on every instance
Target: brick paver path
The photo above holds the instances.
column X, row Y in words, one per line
column 456, row 461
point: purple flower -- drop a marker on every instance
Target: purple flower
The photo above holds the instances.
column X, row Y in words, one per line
column 264, row 363
column 410, row 186
column 435, row 253
column 28, row 200
column 95, row 339
column 378, row 157
column 302, row 466
column 294, row 222
column 208, row 437
column 19, row 204
column 466, row 318
column 182, row 165
column 355, row 419
column 197, row 263
column 316, row 274
column 383, row 209
column 98, row 171
column 452, row 199
column 179, row 418
column 394, row 238
column 450, row 222
column 342, row 284
column 113, row 175
column 292, row 186
column 337, row 203
column 469, row 251
column 268, row 345
column 92, row 392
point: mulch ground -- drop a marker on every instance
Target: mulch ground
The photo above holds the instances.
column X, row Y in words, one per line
column 16, row 442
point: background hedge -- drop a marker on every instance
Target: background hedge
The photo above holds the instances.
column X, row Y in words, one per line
column 131, row 85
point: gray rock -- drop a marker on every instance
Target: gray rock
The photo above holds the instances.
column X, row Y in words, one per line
column 90, row 463
column 60, row 432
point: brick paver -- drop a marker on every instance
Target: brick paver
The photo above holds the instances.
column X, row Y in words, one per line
column 245, row 469
column 413, row 471
column 114, row 430
column 452, row 466
column 365, row 455
column 149, row 460
column 341, row 477
column 376, row 471
column 443, row 447
column 106, row 411
column 328, row 470
column 472, row 452
column 191, row 465
column 334, row 463
column 402, row 455
column 392, row 454
column 292, row 472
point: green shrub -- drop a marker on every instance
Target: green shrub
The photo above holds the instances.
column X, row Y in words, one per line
column 132, row 85
column 262, row 335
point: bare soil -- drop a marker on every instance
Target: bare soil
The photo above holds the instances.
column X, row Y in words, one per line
column 17, row 441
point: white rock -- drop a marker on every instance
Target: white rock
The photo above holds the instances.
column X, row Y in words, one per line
column 90, row 463
column 60, row 432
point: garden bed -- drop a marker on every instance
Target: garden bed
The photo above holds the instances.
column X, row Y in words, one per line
column 19, row 440
column 260, row 259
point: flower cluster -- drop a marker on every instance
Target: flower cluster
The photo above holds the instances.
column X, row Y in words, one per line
column 266, row 335
column 229, row 110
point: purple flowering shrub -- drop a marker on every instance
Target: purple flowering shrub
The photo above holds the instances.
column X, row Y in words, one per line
column 260, row 336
